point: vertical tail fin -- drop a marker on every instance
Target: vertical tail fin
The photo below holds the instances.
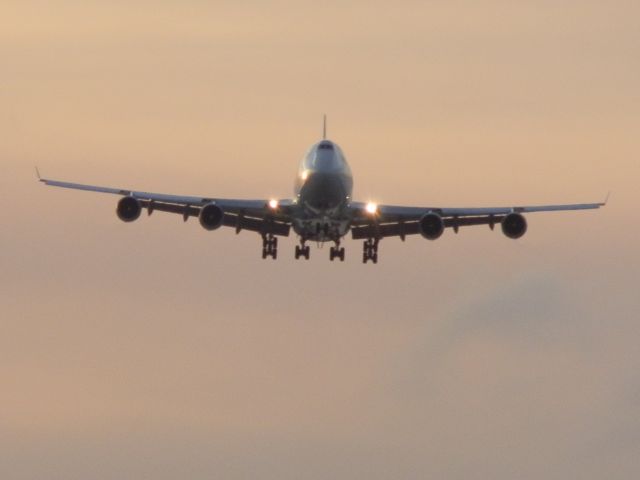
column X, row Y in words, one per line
column 324, row 127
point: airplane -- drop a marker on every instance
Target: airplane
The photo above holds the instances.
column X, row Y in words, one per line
column 322, row 210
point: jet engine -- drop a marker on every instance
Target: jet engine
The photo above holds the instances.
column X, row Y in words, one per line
column 211, row 216
column 514, row 225
column 431, row 226
column 129, row 209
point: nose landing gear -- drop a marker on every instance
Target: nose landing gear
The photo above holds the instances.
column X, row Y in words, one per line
column 269, row 246
column 370, row 250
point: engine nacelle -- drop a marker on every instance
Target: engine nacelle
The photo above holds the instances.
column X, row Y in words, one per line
column 431, row 226
column 514, row 225
column 211, row 216
column 129, row 209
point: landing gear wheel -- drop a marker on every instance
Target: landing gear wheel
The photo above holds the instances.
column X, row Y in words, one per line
column 370, row 250
column 269, row 246
column 302, row 251
column 336, row 252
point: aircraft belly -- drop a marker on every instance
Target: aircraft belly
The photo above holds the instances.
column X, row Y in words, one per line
column 321, row 228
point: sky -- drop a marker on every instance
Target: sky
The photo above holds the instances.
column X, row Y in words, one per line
column 159, row 350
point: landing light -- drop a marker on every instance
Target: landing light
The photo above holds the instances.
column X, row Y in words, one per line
column 371, row 208
column 304, row 175
column 273, row 204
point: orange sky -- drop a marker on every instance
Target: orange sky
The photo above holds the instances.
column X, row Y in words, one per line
column 160, row 350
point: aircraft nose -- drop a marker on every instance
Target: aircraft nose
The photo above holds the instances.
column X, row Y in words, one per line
column 326, row 162
column 323, row 190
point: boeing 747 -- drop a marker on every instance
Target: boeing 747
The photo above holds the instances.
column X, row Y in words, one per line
column 322, row 210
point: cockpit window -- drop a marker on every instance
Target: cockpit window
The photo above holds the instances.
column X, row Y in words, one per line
column 325, row 146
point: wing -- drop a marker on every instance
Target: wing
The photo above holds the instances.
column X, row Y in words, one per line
column 394, row 220
column 255, row 215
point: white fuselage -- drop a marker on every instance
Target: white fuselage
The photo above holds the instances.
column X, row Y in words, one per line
column 323, row 190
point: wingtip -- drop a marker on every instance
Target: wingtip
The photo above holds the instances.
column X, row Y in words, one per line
column 38, row 174
column 606, row 199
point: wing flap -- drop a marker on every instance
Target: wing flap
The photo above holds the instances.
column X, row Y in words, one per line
column 400, row 229
column 256, row 225
column 239, row 222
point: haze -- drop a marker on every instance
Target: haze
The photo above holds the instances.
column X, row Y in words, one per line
column 159, row 350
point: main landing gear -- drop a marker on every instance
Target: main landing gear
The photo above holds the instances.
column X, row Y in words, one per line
column 370, row 250
column 269, row 246
column 336, row 252
column 302, row 251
